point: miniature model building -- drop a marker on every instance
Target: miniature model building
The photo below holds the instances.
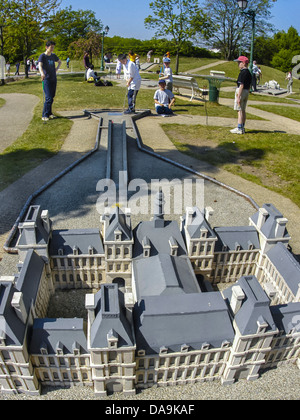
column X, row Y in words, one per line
column 153, row 314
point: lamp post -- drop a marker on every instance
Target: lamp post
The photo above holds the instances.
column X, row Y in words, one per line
column 251, row 14
column 105, row 32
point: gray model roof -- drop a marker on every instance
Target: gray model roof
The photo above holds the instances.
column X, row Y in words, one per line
column 118, row 221
column 164, row 275
column 287, row 317
column 68, row 239
column 255, row 306
column 110, row 319
column 10, row 324
column 158, row 238
column 236, row 235
column 286, row 265
column 269, row 226
column 29, row 277
column 175, row 320
column 199, row 222
column 64, row 333
column 41, row 236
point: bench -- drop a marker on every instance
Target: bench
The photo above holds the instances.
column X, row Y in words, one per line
column 217, row 73
column 190, row 83
column 111, row 67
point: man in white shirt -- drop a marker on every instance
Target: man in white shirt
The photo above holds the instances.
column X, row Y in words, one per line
column 133, row 81
column 164, row 99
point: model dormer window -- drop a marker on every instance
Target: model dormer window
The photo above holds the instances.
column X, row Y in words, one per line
column 203, row 233
column 237, row 246
column 146, row 247
column 225, row 344
column 91, row 250
column 205, row 346
column 118, row 235
column 184, row 348
column 60, row 252
column 75, row 250
column 163, row 350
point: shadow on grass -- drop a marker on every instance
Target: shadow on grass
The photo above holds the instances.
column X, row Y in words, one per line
column 224, row 153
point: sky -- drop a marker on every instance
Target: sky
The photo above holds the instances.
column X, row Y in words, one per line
column 125, row 18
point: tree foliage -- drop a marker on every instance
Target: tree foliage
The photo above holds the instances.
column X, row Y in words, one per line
column 68, row 25
column 178, row 20
column 232, row 28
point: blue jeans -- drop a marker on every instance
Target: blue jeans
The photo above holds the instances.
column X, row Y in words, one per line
column 132, row 94
column 163, row 110
column 49, row 90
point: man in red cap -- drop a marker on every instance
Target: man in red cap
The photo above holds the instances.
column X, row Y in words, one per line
column 241, row 94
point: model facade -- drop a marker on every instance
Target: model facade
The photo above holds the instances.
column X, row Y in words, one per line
column 153, row 317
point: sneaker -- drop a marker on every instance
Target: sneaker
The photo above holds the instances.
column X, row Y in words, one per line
column 237, row 131
column 45, row 119
column 51, row 117
column 129, row 111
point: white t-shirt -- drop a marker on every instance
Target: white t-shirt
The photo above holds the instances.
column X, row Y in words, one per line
column 131, row 71
column 169, row 74
column 90, row 73
column 163, row 97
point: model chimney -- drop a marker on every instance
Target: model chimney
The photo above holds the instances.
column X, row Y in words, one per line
column 280, row 227
column 18, row 303
column 236, row 299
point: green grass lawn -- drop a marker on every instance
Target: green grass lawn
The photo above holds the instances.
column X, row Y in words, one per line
column 268, row 159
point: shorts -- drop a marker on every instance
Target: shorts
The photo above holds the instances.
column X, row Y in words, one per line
column 244, row 99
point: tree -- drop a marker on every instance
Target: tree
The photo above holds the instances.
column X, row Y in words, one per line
column 288, row 45
column 232, row 29
column 90, row 43
column 68, row 25
column 180, row 20
column 25, row 25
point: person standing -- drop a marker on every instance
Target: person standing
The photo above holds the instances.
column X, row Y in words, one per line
column 8, row 68
column 118, row 69
column 149, row 54
column 86, row 63
column 255, row 75
column 48, row 70
column 289, row 78
column 133, row 81
column 242, row 93
column 133, row 56
column 17, row 73
column 167, row 75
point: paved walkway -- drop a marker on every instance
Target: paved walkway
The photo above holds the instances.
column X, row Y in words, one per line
column 15, row 116
column 81, row 139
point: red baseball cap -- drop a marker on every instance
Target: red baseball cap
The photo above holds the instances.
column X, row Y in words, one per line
column 243, row 59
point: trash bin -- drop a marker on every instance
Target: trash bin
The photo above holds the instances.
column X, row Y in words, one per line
column 213, row 93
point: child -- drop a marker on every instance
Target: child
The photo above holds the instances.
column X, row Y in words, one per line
column 118, row 69
column 164, row 99
column 133, row 81
column 167, row 76
column 242, row 93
